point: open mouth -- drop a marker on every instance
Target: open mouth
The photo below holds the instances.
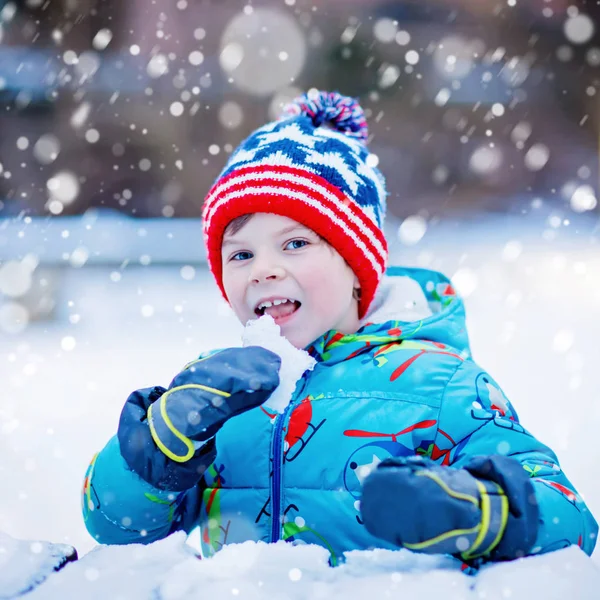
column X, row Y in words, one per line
column 278, row 309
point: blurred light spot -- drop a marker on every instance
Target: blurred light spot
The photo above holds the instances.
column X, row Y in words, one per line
column 231, row 115
column 593, row 57
column 14, row 317
column 70, row 57
column 46, row 149
column 564, row 53
column 440, row 174
column 68, row 343
column 372, row 160
column 55, row 207
column 521, row 132
column 465, row 281
column 176, row 109
column 453, row 57
column 584, row 172
column 79, row 257
column 145, row 164
column 118, row 149
column 563, row 341
column 537, row 156
column 102, row 39
column 462, row 543
column 196, row 58
column 412, row 57
column 515, row 72
column 158, row 66
column 498, row 109
column 503, row 447
column 283, row 97
column 80, row 115
column 579, row 29
column 92, row 136
column 15, row 278
column 171, row 193
column 442, row 97
column 22, row 143
column 231, row 57
column 554, row 221
column 583, row 199
column 87, row 65
column 147, row 310
column 8, row 12
column 485, row 160
column 187, row 272
column 134, row 49
column 385, row 30
column 512, row 250
column 403, row 38
column 412, row 230
column 388, row 76
column 63, row 187
column 252, row 44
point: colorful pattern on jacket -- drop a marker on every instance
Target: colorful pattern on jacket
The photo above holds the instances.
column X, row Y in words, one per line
column 391, row 389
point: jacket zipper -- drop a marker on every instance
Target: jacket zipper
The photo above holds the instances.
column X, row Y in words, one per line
column 276, row 524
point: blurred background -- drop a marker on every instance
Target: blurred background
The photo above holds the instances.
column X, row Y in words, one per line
column 473, row 105
column 116, row 117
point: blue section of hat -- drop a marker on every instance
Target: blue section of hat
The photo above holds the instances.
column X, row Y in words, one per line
column 335, row 156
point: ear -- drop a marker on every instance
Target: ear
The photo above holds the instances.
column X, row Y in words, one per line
column 356, row 289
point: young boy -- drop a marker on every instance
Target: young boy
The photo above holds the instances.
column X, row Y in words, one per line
column 396, row 438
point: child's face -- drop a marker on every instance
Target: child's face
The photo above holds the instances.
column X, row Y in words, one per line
column 276, row 257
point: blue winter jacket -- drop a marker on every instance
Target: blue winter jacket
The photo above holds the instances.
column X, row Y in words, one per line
column 394, row 388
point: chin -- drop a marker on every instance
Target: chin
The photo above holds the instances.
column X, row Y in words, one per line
column 295, row 340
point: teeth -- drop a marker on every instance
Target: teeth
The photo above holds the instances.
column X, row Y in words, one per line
column 268, row 303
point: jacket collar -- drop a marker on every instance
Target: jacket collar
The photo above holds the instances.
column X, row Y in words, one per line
column 410, row 304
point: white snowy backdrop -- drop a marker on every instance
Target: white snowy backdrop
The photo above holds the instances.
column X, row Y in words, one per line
column 140, row 304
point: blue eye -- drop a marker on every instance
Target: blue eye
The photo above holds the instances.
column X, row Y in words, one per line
column 249, row 254
column 303, row 242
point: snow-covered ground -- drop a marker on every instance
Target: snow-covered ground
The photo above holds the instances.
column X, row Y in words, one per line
column 533, row 302
column 166, row 570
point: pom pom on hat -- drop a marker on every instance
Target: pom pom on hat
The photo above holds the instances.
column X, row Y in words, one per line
column 344, row 113
column 312, row 165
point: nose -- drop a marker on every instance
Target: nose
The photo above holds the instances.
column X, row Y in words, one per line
column 266, row 268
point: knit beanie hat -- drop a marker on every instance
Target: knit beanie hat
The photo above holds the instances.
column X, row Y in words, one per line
column 313, row 166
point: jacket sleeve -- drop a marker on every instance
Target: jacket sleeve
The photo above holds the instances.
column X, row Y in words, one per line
column 119, row 507
column 476, row 420
column 132, row 492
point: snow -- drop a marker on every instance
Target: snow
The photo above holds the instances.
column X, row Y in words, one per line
column 294, row 362
column 533, row 302
column 169, row 570
column 25, row 564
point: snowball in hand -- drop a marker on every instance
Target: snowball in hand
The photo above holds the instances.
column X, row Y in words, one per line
column 294, row 362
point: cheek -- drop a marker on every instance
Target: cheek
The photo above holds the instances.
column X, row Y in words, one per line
column 328, row 282
column 232, row 288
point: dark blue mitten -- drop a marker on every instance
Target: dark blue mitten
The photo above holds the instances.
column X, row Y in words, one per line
column 166, row 436
column 414, row 503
